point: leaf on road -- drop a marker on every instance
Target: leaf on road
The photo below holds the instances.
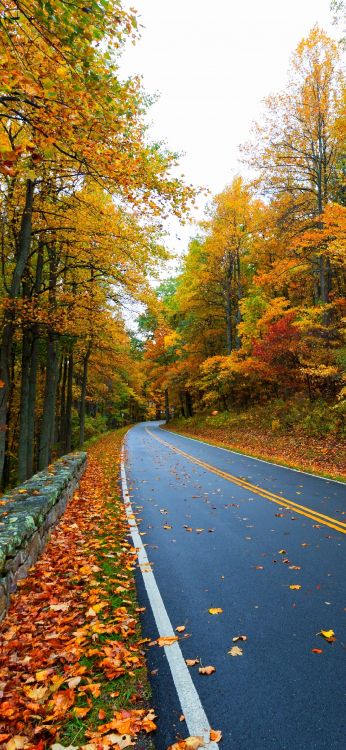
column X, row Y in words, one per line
column 295, row 586
column 329, row 635
column 181, row 628
column 215, row 735
column 191, row 662
column 167, row 640
column 282, row 552
column 317, row 650
column 215, row 611
column 235, row 651
column 191, row 743
column 167, row 526
column 207, row 670
column 239, row 638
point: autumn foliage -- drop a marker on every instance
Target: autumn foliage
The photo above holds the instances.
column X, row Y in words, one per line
column 72, row 658
column 257, row 312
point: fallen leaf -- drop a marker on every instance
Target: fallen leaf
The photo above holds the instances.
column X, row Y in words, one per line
column 167, row 640
column 317, row 650
column 215, row 611
column 63, row 607
column 191, row 743
column 81, row 712
column 181, row 628
column 167, row 526
column 235, row 651
column 207, row 670
column 329, row 635
column 282, row 552
column 215, row 735
column 295, row 586
column 17, row 742
column 182, row 717
column 239, row 638
column 191, row 662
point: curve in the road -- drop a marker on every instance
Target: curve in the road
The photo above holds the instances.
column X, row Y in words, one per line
column 332, row 523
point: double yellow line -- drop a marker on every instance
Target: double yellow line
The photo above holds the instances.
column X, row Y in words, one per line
column 320, row 518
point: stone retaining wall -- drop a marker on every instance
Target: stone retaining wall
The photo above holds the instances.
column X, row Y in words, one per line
column 27, row 515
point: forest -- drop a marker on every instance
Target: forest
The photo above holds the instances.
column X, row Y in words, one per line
column 255, row 315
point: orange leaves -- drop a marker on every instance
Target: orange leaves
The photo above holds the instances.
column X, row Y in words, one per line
column 215, row 611
column 62, row 701
column 191, row 743
column 49, row 632
column 167, row 640
column 129, row 722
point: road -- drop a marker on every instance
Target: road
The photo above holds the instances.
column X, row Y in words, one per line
column 226, row 531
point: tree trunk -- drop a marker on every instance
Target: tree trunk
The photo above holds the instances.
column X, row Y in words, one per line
column 167, row 414
column 35, row 343
column 228, row 319
column 23, row 249
column 68, row 418
column 188, row 404
column 83, row 397
column 24, row 408
column 49, row 404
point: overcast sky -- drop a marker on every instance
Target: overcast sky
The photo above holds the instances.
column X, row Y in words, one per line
column 212, row 63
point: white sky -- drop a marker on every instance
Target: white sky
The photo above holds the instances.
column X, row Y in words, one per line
column 213, row 63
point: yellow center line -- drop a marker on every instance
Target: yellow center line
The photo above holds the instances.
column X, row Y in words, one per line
column 332, row 523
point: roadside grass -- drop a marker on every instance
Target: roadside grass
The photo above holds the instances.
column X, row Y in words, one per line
column 294, row 434
column 74, row 629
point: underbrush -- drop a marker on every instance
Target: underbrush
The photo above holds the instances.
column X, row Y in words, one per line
column 296, row 433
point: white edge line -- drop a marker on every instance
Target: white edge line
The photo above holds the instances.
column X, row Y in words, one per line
column 195, row 717
column 253, row 458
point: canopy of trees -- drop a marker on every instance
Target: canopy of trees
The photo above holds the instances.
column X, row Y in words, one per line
column 82, row 196
column 258, row 309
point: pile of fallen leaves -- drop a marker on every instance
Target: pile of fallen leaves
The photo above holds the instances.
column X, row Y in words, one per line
column 324, row 455
column 72, row 662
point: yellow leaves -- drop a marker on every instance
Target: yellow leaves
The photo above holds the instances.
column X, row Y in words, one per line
column 207, row 670
column 191, row 662
column 167, row 640
column 215, row 611
column 295, row 586
column 329, row 635
column 191, row 743
column 17, row 742
column 181, row 628
column 235, row 651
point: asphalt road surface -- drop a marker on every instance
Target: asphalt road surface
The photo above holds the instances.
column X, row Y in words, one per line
column 226, row 531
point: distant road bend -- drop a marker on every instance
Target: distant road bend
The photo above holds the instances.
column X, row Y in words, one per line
column 262, row 545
